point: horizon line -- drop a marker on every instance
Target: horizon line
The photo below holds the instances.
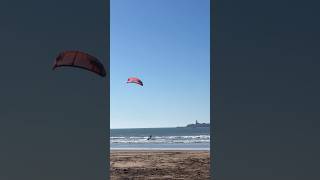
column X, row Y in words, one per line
column 150, row 127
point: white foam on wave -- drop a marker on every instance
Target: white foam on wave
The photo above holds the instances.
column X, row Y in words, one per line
column 161, row 139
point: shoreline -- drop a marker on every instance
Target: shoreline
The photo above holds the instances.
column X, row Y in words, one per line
column 160, row 149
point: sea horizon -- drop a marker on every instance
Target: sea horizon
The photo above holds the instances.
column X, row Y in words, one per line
column 157, row 127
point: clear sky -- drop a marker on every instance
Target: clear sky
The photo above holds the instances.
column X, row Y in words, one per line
column 166, row 44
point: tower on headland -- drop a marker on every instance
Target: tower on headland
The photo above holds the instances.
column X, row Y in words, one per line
column 197, row 124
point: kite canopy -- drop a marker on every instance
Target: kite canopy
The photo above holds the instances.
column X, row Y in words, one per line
column 80, row 60
column 135, row 80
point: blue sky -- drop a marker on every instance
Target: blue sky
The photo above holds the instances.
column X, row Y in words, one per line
column 166, row 44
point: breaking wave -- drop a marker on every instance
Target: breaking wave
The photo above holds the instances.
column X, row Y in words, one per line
column 161, row 139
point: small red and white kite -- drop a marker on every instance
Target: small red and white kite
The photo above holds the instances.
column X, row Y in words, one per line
column 135, row 80
column 79, row 60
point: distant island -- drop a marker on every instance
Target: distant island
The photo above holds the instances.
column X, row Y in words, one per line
column 196, row 125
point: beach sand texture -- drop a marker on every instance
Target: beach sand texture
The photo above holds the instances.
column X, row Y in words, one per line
column 160, row 165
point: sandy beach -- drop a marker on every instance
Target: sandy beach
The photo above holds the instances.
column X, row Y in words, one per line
column 160, row 164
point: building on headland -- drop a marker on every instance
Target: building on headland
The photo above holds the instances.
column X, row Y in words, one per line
column 196, row 125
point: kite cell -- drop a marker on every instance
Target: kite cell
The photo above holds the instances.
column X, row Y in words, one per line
column 80, row 60
column 135, row 80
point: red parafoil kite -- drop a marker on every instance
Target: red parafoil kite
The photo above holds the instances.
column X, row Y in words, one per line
column 80, row 60
column 135, row 80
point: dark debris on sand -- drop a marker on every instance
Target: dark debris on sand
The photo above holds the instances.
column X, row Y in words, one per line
column 160, row 165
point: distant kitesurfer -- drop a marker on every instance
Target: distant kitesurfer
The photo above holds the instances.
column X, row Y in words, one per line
column 149, row 138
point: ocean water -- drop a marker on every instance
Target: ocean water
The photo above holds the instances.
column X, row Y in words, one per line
column 162, row 139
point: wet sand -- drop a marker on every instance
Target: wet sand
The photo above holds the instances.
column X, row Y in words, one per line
column 160, row 165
